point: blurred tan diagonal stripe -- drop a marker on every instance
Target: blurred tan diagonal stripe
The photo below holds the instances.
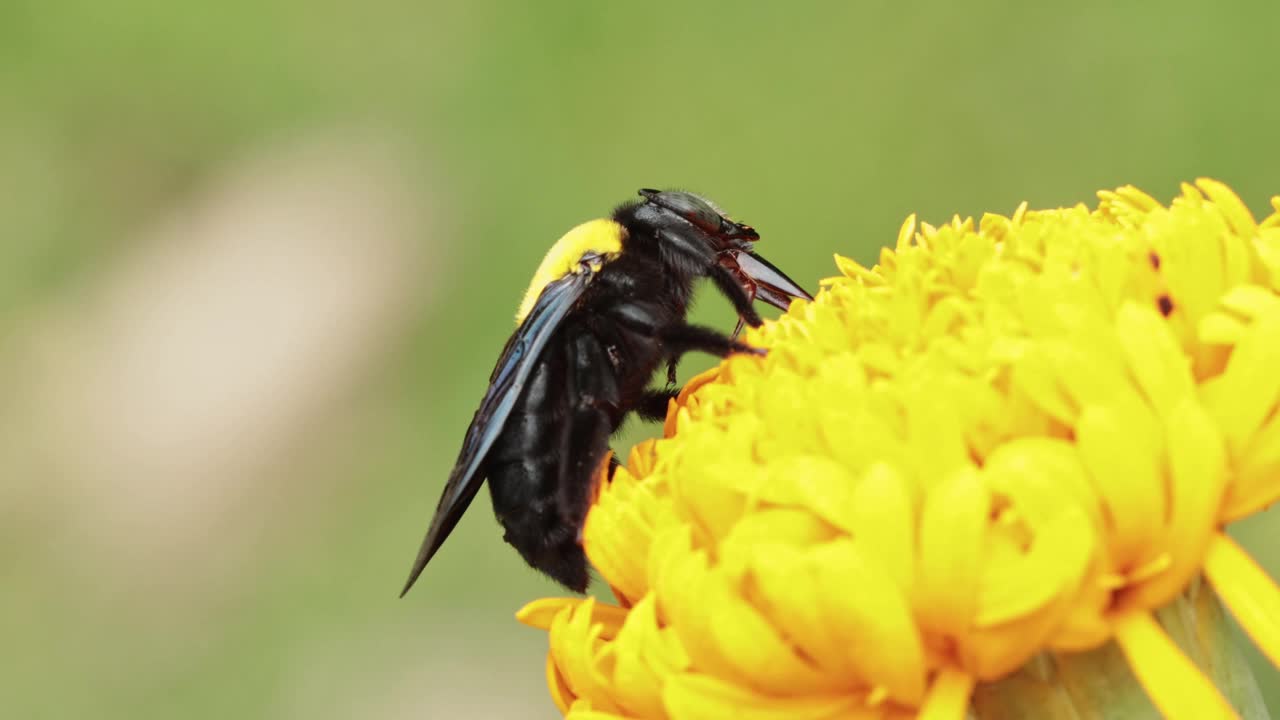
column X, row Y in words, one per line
column 155, row 398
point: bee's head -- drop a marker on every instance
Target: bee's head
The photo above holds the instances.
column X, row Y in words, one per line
column 705, row 231
column 681, row 211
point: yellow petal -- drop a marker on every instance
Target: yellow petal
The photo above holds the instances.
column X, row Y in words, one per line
column 540, row 613
column 994, row 226
column 935, row 432
column 868, row 613
column 905, row 232
column 1232, row 207
column 991, row 653
column 1257, row 481
column 717, row 500
column 768, row 527
column 1085, row 625
column 1034, row 375
column 1155, row 358
column 1267, row 247
column 1246, row 589
column 1040, row 475
column 677, row 573
column 691, row 696
column 575, row 642
column 1242, row 397
column 1174, row 683
column 619, row 528
column 1219, row 328
column 952, row 531
column 948, row 697
column 561, row 695
column 820, row 485
column 1197, row 463
column 724, row 635
column 1119, row 447
column 883, row 517
column 646, row 656
column 1250, row 301
column 1090, row 365
column 1027, row 583
column 686, row 394
column 850, row 268
column 643, row 459
column 785, row 589
column 759, row 655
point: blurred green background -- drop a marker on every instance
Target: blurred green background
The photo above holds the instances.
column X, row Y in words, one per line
column 256, row 260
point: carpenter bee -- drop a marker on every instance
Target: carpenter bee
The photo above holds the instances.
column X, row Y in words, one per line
column 605, row 309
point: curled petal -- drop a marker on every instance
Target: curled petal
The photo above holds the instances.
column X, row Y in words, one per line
column 691, row 696
column 952, row 533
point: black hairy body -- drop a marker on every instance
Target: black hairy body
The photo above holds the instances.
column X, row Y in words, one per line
column 596, row 370
column 581, row 362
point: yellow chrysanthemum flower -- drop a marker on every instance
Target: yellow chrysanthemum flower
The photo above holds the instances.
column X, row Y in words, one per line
column 1002, row 446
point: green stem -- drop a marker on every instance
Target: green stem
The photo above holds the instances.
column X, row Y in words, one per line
column 1098, row 685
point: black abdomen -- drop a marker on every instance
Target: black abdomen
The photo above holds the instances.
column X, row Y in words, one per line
column 543, row 466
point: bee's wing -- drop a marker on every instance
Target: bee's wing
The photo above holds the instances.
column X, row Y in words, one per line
column 508, row 380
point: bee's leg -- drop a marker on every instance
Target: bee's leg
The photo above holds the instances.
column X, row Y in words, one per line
column 653, row 404
column 729, row 286
column 681, row 339
column 638, row 316
column 671, row 371
column 725, row 281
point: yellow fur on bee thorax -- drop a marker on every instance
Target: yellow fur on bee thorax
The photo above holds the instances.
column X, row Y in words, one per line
column 602, row 237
